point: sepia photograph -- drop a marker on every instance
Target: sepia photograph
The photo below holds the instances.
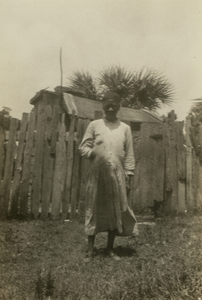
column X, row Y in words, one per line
column 101, row 150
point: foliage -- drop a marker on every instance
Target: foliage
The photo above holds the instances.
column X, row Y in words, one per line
column 5, row 117
column 151, row 89
column 196, row 113
column 118, row 80
column 142, row 89
column 83, row 81
column 44, row 260
column 5, row 111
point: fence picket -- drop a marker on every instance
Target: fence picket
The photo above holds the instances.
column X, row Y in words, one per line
column 199, row 194
column 18, row 167
column 48, row 161
column 135, row 196
column 54, row 128
column 181, row 167
column 2, row 155
column 38, row 162
column 26, row 170
column 59, row 172
column 8, row 171
column 189, row 190
column 69, row 167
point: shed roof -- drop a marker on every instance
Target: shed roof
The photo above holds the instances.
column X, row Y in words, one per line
column 86, row 108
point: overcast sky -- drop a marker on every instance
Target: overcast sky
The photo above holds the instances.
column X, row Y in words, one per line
column 165, row 35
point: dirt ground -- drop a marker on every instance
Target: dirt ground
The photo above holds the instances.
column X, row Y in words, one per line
column 45, row 260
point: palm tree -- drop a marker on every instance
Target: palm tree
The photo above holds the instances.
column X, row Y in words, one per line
column 151, row 90
column 118, row 80
column 84, row 81
column 144, row 89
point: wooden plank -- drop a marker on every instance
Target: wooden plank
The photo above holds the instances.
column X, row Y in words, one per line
column 173, row 156
column 18, row 167
column 199, row 192
column 135, row 195
column 55, row 122
column 76, row 179
column 2, row 155
column 38, row 162
column 189, row 190
column 48, row 161
column 59, row 172
column 8, row 171
column 181, row 167
column 167, row 180
column 70, row 157
column 151, row 165
column 195, row 175
column 26, row 169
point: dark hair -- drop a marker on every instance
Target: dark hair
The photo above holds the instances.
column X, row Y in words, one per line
column 112, row 96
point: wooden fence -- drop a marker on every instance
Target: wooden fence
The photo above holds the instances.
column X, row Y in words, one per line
column 42, row 172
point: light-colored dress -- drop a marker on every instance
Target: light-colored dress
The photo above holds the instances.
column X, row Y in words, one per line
column 109, row 147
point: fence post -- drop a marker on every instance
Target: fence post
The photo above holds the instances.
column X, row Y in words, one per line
column 47, row 169
column 199, row 193
column 69, row 167
column 38, row 161
column 189, row 190
column 18, row 167
column 8, row 170
column 2, row 154
column 59, row 172
column 181, row 166
column 26, row 169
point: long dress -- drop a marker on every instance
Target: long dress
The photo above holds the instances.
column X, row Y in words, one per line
column 109, row 147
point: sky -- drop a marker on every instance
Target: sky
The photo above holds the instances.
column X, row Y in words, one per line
column 162, row 35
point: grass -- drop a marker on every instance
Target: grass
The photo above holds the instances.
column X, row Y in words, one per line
column 44, row 260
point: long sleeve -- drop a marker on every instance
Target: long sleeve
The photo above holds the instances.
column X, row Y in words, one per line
column 87, row 143
column 129, row 154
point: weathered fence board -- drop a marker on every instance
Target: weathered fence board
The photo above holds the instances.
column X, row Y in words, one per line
column 189, row 190
column 54, row 128
column 173, row 157
column 69, row 167
column 8, row 170
column 26, row 170
column 59, row 172
column 2, row 155
column 181, row 167
column 152, row 165
column 135, row 199
column 199, row 194
column 171, row 172
column 48, row 161
column 18, row 167
column 38, row 162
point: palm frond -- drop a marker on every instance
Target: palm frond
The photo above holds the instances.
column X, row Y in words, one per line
column 116, row 79
column 84, row 81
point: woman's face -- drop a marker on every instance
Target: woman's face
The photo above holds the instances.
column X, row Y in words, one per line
column 111, row 108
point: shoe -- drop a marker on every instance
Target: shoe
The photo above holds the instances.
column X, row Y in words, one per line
column 111, row 254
